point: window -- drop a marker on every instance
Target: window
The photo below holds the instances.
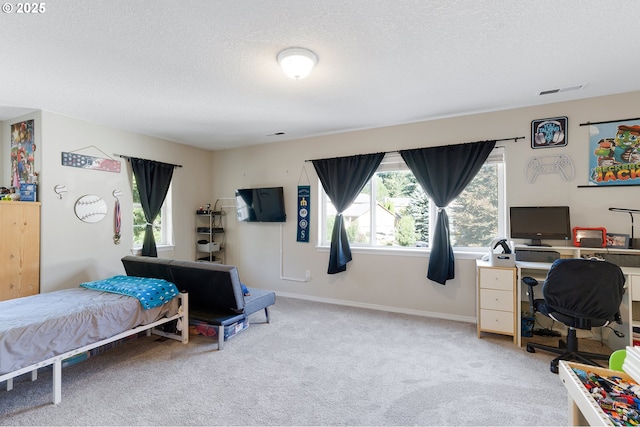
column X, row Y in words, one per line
column 393, row 211
column 162, row 231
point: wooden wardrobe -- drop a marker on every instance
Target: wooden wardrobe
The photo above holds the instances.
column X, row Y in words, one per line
column 19, row 249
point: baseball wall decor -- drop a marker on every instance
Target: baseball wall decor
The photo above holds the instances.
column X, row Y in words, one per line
column 90, row 208
column 83, row 161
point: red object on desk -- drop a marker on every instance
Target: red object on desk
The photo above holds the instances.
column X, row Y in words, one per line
column 580, row 233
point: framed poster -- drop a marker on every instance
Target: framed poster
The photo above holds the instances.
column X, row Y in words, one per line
column 614, row 153
column 549, row 132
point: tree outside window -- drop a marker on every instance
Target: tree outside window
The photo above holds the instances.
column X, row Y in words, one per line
column 393, row 211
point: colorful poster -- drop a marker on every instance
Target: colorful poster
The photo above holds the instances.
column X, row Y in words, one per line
column 23, row 148
column 614, row 153
column 304, row 193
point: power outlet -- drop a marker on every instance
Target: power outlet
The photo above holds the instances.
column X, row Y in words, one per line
column 307, row 275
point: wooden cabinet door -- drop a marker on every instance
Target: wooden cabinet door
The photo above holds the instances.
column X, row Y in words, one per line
column 19, row 249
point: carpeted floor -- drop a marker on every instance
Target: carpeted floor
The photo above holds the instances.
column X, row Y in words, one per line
column 314, row 364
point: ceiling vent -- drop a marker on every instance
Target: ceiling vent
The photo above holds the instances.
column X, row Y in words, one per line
column 562, row 89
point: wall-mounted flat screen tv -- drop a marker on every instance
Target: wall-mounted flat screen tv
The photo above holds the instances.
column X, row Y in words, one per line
column 260, row 204
column 540, row 222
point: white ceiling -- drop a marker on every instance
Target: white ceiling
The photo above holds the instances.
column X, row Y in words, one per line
column 204, row 72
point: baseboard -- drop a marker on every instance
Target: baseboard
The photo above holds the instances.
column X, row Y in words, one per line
column 445, row 316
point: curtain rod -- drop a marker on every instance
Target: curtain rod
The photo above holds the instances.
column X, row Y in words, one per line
column 514, row 139
column 608, row 121
column 129, row 158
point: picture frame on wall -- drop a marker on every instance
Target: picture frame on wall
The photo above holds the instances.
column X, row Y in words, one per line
column 615, row 240
column 550, row 132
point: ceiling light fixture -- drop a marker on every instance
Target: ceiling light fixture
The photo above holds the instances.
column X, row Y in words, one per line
column 297, row 62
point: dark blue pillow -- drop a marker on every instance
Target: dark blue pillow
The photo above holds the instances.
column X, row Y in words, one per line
column 245, row 291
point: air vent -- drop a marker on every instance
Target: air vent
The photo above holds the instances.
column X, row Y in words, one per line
column 562, row 89
column 549, row 92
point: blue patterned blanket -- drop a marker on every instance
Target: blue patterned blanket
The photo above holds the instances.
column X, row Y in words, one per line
column 150, row 292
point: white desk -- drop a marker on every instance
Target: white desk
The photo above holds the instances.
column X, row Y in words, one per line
column 539, row 271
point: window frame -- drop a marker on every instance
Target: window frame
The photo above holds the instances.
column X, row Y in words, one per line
column 393, row 162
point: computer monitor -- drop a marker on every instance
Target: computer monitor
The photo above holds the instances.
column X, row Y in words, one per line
column 540, row 222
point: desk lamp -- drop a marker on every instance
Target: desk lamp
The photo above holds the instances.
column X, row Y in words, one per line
column 630, row 212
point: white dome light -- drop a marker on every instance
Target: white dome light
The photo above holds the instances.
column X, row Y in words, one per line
column 297, row 62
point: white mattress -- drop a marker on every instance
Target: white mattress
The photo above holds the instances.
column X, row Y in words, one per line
column 41, row 326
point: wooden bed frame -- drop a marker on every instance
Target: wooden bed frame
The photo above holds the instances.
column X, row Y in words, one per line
column 56, row 361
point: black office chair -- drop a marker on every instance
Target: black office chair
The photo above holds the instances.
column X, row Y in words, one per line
column 582, row 294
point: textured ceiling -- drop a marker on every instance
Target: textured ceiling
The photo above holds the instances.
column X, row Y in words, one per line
column 204, row 73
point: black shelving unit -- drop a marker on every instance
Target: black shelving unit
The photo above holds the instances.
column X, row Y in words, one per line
column 209, row 236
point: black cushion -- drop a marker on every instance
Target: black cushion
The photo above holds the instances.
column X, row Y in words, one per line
column 155, row 268
column 210, row 286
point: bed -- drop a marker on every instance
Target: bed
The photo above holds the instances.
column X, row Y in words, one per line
column 45, row 329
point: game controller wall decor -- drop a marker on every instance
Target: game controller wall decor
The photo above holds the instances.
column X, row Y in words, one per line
column 561, row 164
column 549, row 132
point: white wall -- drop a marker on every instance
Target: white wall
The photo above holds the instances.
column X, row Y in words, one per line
column 73, row 251
column 399, row 282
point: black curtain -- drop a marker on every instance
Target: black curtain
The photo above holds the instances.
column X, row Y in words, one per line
column 342, row 179
column 153, row 179
column 443, row 173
